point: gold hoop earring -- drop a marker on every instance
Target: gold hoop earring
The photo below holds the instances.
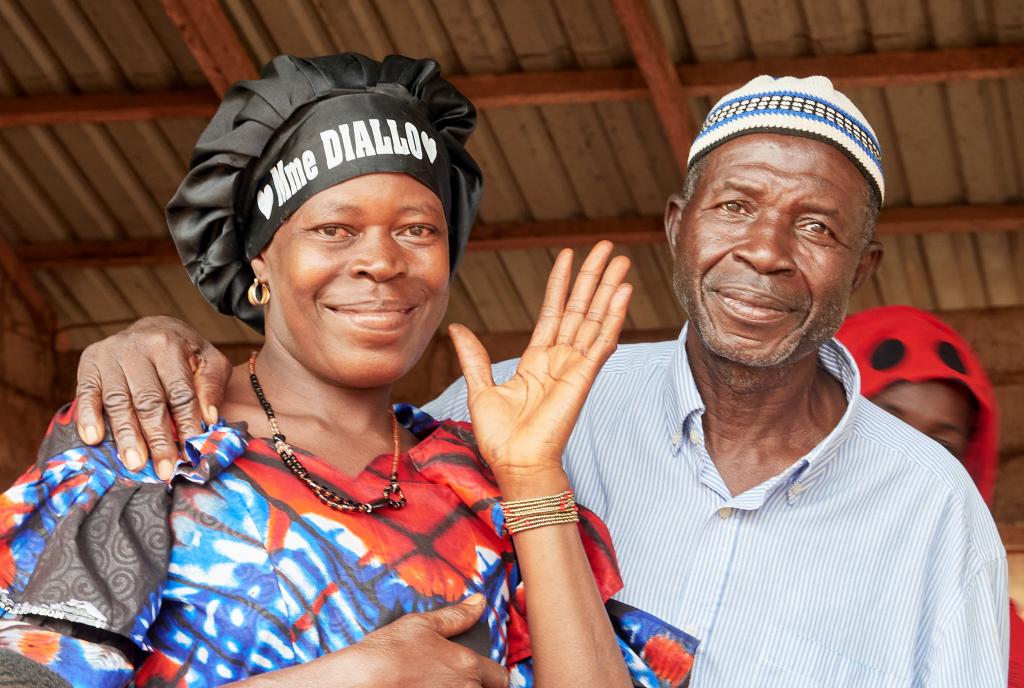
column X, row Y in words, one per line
column 259, row 293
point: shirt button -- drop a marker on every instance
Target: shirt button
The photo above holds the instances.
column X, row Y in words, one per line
column 725, row 512
column 796, row 489
column 675, row 439
column 694, row 437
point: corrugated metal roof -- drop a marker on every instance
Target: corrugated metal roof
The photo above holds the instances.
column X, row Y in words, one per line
column 943, row 144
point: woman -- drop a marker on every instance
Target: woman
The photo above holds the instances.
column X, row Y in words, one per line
column 922, row 371
column 328, row 204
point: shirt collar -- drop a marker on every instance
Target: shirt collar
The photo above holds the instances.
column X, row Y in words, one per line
column 682, row 399
column 834, row 358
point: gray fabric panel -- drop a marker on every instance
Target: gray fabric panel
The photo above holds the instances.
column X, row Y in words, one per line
column 20, row 672
column 113, row 558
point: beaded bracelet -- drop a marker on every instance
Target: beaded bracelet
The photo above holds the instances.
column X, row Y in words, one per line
column 524, row 514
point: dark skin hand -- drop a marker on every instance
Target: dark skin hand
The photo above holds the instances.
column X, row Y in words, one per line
column 767, row 253
column 144, row 402
column 412, row 651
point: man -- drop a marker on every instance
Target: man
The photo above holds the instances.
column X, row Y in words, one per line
column 756, row 500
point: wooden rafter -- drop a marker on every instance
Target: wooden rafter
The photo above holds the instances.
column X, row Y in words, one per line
column 96, row 254
column 565, row 87
column 15, row 270
column 107, row 107
column 213, row 41
column 863, row 70
column 655, row 63
column 1007, row 217
column 562, row 87
column 952, row 219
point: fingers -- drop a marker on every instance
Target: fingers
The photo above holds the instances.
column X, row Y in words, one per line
column 459, row 618
column 211, row 379
column 583, row 291
column 117, row 402
column 611, row 326
column 613, row 277
column 492, row 674
column 570, row 396
column 473, row 359
column 550, row 316
column 157, row 371
column 89, row 406
column 452, row 621
column 176, row 381
column 151, row 408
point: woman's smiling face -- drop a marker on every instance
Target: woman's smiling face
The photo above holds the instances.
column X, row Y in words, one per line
column 359, row 278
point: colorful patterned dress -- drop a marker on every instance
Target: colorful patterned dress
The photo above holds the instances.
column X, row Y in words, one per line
column 108, row 576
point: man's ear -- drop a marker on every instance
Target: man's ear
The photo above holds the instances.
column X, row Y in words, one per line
column 870, row 259
column 673, row 220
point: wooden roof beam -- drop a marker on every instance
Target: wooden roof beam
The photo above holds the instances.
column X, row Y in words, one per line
column 564, row 87
column 107, row 107
column 1007, row 217
column 15, row 270
column 863, row 69
column 212, row 40
column 662, row 77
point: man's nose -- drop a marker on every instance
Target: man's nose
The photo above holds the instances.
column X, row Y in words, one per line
column 767, row 246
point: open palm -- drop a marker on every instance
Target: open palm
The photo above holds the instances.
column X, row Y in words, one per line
column 522, row 426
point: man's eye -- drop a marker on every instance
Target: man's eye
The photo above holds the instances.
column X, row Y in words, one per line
column 818, row 228
column 732, row 206
column 419, row 231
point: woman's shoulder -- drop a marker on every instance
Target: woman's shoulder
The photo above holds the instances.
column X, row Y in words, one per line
column 60, row 522
column 200, row 458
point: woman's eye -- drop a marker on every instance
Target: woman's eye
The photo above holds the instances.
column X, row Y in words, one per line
column 331, row 231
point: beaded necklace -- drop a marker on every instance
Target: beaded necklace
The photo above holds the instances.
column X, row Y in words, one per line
column 393, row 495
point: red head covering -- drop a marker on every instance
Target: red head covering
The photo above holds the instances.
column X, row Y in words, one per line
column 905, row 344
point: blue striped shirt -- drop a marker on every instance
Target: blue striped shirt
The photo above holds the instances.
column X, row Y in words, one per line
column 870, row 562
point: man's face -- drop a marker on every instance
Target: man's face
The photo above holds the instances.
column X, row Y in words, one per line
column 770, row 247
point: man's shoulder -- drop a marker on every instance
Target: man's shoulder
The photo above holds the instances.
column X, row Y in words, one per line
column 629, row 358
column 903, row 443
column 921, row 469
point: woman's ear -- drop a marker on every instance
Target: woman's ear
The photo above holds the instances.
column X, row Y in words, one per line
column 259, row 268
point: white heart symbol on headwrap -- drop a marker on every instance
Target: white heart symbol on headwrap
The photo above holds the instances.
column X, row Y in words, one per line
column 429, row 146
column 265, row 201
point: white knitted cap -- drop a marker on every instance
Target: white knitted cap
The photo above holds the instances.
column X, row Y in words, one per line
column 809, row 107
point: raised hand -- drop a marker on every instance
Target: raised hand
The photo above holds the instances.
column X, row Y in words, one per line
column 522, row 426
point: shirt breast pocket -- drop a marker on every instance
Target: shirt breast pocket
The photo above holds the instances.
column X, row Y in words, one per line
column 791, row 660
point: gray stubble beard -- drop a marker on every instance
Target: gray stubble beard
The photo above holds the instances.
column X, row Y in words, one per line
column 826, row 327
